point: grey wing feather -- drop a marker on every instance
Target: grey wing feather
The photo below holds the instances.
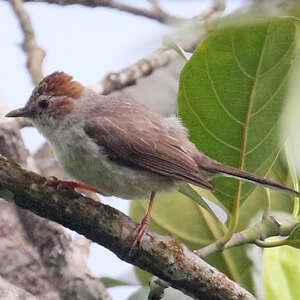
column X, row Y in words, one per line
column 142, row 142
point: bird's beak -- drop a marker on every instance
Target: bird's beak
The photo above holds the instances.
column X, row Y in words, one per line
column 20, row 112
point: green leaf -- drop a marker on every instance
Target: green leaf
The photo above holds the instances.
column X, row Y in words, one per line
column 112, row 282
column 143, row 276
column 187, row 190
column 231, row 95
column 294, row 238
column 281, row 273
column 257, row 200
column 178, row 215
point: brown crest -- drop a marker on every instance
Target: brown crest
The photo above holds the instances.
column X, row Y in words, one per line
column 60, row 84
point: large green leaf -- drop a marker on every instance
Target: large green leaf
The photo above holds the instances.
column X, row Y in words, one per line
column 231, row 95
column 258, row 97
column 281, row 272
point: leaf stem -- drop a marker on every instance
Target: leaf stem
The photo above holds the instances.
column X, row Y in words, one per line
column 233, row 222
column 270, row 244
column 268, row 204
column 294, row 178
column 268, row 227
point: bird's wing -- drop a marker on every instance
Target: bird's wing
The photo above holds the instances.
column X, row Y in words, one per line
column 142, row 142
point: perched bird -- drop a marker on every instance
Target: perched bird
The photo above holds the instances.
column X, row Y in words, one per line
column 118, row 146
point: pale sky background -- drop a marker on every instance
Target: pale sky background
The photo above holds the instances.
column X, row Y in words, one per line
column 86, row 43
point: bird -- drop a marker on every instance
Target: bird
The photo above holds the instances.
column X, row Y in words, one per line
column 117, row 146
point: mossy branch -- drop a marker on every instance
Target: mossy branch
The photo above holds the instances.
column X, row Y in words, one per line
column 163, row 256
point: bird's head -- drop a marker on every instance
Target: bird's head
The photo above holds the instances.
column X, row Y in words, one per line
column 52, row 100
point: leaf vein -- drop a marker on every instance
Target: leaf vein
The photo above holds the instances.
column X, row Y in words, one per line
column 271, row 97
column 262, row 164
column 280, row 60
column 245, row 135
column 263, row 139
column 207, row 130
column 242, row 69
column 220, row 102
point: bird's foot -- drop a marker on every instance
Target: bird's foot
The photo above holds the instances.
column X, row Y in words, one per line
column 140, row 232
column 143, row 227
column 69, row 185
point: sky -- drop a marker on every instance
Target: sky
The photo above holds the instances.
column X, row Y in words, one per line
column 86, row 43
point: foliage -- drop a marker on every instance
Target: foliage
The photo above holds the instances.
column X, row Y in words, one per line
column 281, row 273
column 231, row 96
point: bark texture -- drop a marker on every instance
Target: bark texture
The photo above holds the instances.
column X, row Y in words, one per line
column 165, row 257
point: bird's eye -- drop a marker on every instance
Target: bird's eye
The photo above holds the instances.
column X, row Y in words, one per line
column 44, row 104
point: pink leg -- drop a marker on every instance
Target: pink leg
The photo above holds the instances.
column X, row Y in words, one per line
column 142, row 228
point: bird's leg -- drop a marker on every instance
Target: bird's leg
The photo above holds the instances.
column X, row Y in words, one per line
column 72, row 185
column 142, row 228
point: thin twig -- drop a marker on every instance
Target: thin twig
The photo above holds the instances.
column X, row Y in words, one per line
column 157, row 15
column 156, row 6
column 218, row 6
column 188, row 37
column 35, row 54
column 130, row 75
column 268, row 227
column 162, row 256
column 147, row 65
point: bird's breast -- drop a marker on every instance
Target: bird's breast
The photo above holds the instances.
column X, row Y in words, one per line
column 89, row 163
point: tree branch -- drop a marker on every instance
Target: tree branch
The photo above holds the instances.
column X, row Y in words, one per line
column 20, row 268
column 20, row 263
column 130, row 75
column 35, row 54
column 154, row 14
column 146, row 66
column 65, row 265
column 60, row 268
column 163, row 256
column 9, row 291
column 218, row 6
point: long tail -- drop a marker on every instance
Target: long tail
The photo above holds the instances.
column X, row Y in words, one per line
column 229, row 171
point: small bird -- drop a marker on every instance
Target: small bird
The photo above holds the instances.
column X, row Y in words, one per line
column 118, row 147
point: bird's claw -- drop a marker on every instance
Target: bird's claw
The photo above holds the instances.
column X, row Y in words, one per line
column 140, row 232
column 69, row 185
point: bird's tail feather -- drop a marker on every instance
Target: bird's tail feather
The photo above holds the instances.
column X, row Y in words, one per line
column 239, row 174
